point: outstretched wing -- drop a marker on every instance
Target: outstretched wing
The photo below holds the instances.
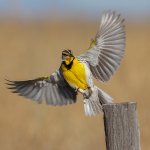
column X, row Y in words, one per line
column 107, row 49
column 54, row 89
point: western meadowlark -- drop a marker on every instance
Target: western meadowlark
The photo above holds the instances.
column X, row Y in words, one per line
column 76, row 72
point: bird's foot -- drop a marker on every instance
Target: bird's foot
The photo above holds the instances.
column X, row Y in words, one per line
column 86, row 93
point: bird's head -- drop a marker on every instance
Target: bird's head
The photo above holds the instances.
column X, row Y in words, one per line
column 67, row 56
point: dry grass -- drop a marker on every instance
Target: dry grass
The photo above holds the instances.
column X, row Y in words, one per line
column 32, row 50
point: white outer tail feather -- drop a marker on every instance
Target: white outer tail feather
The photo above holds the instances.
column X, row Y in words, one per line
column 93, row 104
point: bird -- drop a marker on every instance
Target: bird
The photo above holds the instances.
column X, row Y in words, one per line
column 76, row 73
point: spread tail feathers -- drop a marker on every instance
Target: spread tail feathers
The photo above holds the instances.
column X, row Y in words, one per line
column 93, row 104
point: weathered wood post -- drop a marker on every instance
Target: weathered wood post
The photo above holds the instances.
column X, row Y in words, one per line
column 121, row 126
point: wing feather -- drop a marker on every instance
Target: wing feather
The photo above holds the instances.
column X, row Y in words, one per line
column 65, row 97
column 32, row 94
column 106, row 54
column 106, row 69
column 54, row 89
column 49, row 99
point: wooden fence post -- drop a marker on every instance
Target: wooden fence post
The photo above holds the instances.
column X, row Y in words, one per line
column 121, row 126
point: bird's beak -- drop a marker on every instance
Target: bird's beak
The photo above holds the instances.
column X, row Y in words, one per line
column 67, row 60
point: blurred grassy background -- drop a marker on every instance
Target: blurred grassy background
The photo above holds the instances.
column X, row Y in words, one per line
column 30, row 49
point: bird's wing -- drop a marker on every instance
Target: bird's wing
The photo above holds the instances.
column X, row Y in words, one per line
column 107, row 49
column 54, row 89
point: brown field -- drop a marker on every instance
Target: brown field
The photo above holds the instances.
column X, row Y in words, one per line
column 32, row 50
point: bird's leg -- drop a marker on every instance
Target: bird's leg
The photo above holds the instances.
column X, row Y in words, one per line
column 86, row 93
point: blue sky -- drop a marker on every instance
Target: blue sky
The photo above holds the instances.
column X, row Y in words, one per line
column 36, row 8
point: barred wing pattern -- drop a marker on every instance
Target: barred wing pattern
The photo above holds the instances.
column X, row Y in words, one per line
column 107, row 49
column 54, row 89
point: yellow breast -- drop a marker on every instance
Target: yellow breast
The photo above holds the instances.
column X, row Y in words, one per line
column 76, row 76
